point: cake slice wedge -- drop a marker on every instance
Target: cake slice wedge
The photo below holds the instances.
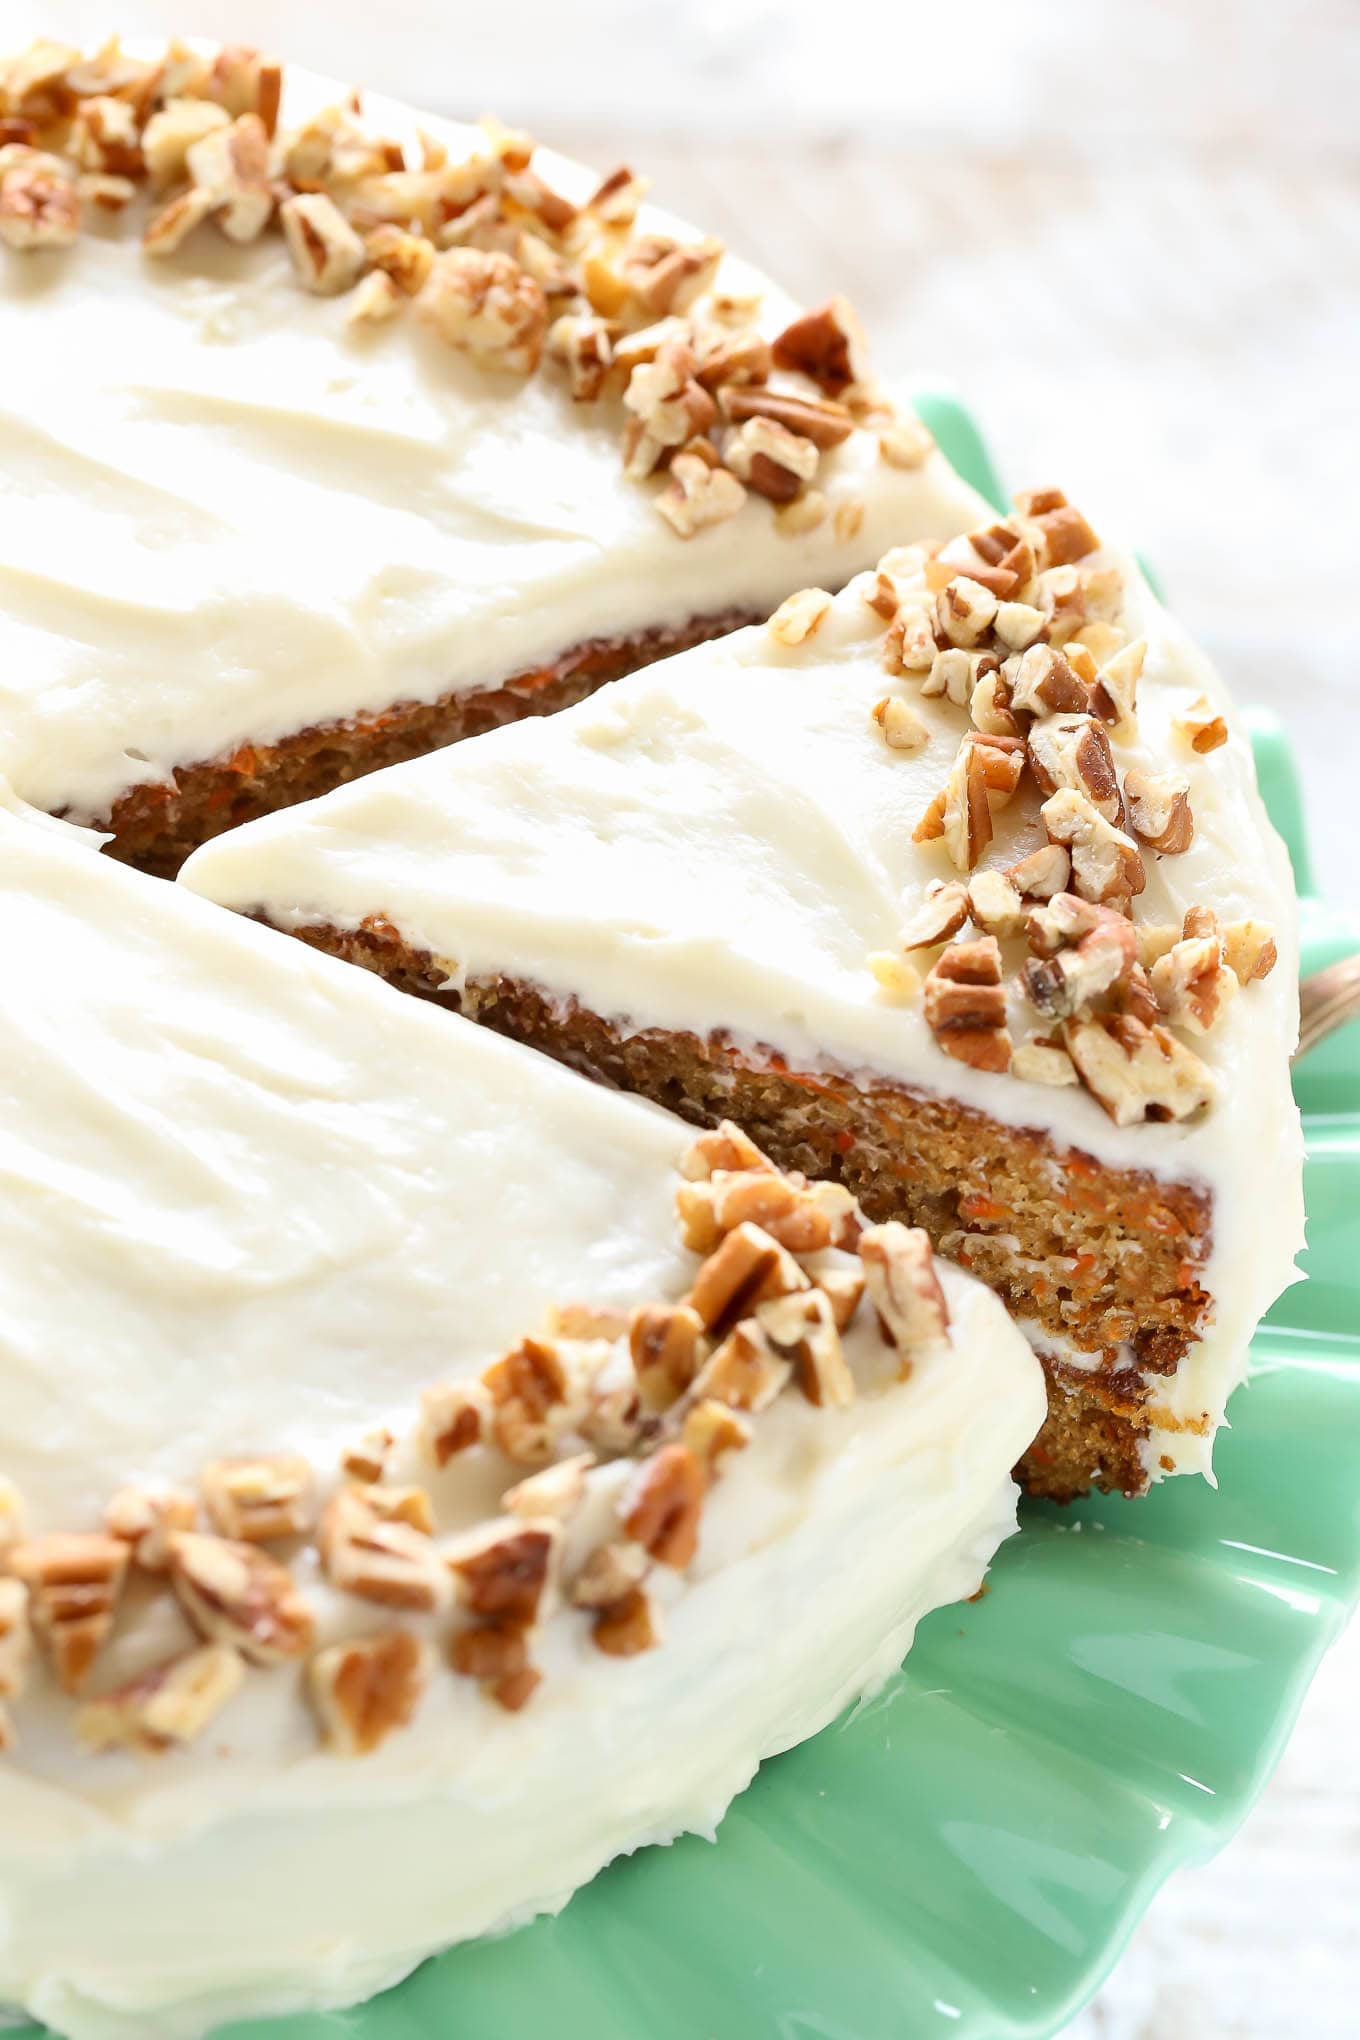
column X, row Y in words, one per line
column 424, row 1475
column 955, row 887
column 334, row 434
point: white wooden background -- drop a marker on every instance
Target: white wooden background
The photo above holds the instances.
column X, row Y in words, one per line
column 1129, row 232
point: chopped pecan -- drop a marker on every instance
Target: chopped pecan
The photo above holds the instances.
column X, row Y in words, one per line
column 166, row 229
column 367, row 1459
column 533, row 1400
column 326, row 253
column 628, row 1626
column 983, row 765
column 1192, row 984
column 39, row 202
column 170, row 1704
column 502, row 1569
column 909, row 646
column 1066, row 535
column 802, row 1216
column 1106, row 864
column 723, row 1147
column 740, row 357
column 487, row 306
column 665, row 1340
column 555, row 1493
column 616, row 198
column 770, row 459
column 802, row 1330
column 994, row 903
column 232, row 165
column 172, row 131
column 989, row 704
column 454, row 1416
column 799, row 616
column 404, row 257
column 74, row 1580
column 1248, row 950
column 1137, row 1071
column 1074, row 751
column 956, row 673
column 902, row 727
column 906, row 443
column 1114, row 695
column 237, row 1594
column 11, row 1517
column 1201, row 726
column 1159, row 810
column 903, row 1286
column 668, row 408
column 698, row 495
column 146, row 1519
column 1043, row 683
column 1075, row 977
column 826, row 344
column 255, row 1500
column 379, row 1557
column 1018, row 626
column 743, row 1372
column 898, row 980
column 825, row 423
column 584, row 345
column 964, row 611
column 665, row 275
column 104, row 137
column 244, row 81
column 497, row 1654
column 748, row 1268
column 611, row 1571
column 965, row 1004
column 409, row 1505
column 586, row 1321
column 661, row 1507
column 844, row 1286
column 940, row 915
column 711, row 1429
column 1043, row 873
column 368, row 1688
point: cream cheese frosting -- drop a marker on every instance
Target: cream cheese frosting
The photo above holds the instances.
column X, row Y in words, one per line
column 227, row 515
column 723, row 841
column 255, row 1200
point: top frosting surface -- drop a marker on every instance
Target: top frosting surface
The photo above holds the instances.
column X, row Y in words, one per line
column 225, row 515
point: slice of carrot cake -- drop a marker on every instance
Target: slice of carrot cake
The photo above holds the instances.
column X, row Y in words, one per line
column 331, row 434
column 956, row 888
column 397, row 1429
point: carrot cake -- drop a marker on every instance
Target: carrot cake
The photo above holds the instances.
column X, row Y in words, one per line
column 397, row 1429
column 955, row 888
column 331, row 434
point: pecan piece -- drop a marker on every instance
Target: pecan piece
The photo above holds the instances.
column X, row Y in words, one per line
column 74, row 1580
column 1074, row 751
column 994, row 903
column 711, row 1429
column 628, row 1626
column 555, row 1493
column 964, row 612
column 16, row 1638
column 533, row 1400
column 237, row 1594
column 39, row 202
column 899, row 1273
column 799, row 616
column 1135, row 1071
column 485, row 305
column 1249, row 950
column 665, row 1340
column 454, row 1416
column 170, row 134
column 584, row 345
column 1192, row 984
column 802, row 1330
column 1043, row 1062
column 502, row 1569
column 698, row 495
column 611, row 1571
column 965, row 1004
column 825, row 423
column 724, row 1147
column 661, row 1507
column 940, row 914
column 665, row 275
column 748, row 1268
column 770, row 459
column 1114, row 692
column 744, row 1371
column 1201, row 726
column 404, row 257
column 232, row 165
column 326, row 253
column 365, row 1690
column 1043, row 873
column 255, row 1500
column 146, row 1519
column 497, row 1654
column 1159, row 810
column 170, row 1704
column 902, row 727
column 377, row 1556
column 1106, row 864
column 826, row 344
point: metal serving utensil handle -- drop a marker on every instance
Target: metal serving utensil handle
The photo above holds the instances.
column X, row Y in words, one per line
column 1327, row 1000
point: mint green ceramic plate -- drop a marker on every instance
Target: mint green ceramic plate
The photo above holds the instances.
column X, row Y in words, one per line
column 968, row 1854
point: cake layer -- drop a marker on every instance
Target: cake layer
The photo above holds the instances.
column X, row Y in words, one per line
column 231, row 511
column 718, row 883
column 255, row 1204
